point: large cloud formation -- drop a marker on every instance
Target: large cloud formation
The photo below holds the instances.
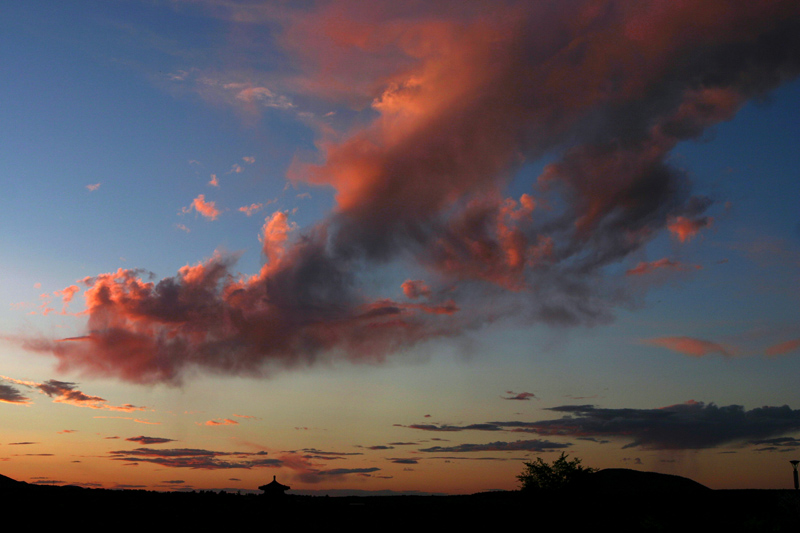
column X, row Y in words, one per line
column 463, row 96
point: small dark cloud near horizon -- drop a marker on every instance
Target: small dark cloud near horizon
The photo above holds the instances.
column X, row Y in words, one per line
column 524, row 396
column 535, row 445
column 195, row 458
column 141, row 439
column 313, row 453
column 690, row 425
column 448, row 428
column 404, row 461
column 315, row 476
column 778, row 444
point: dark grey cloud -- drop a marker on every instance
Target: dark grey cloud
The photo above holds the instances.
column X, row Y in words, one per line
column 196, row 458
column 691, row 425
column 316, row 476
column 141, row 439
column 447, row 428
column 535, row 445
column 10, row 394
column 404, row 461
column 524, row 396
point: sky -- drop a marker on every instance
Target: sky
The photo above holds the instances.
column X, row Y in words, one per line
column 380, row 246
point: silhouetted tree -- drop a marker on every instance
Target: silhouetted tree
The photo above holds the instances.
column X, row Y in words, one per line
column 541, row 475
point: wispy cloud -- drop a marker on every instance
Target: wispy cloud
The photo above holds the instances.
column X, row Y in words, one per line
column 221, row 422
column 535, row 445
column 663, row 264
column 783, row 348
column 692, row 346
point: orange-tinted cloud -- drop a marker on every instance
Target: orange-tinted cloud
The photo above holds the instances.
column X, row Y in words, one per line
column 274, row 235
column 415, row 289
column 221, row 422
column 685, row 228
column 93, row 187
column 783, row 348
column 207, row 209
column 66, row 296
column 692, row 346
column 250, row 209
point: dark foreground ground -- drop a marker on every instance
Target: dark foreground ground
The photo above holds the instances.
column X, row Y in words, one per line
column 629, row 508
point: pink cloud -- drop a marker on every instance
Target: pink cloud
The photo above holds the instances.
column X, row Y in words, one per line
column 783, row 348
column 519, row 396
column 66, row 296
column 460, row 96
column 93, row 187
column 250, row 209
column 664, row 263
column 214, row 182
column 691, row 346
column 207, row 209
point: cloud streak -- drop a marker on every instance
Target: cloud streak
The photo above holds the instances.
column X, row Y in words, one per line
column 691, row 346
column 68, row 393
column 685, row 426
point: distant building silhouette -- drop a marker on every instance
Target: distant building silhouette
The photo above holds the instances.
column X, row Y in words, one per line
column 273, row 488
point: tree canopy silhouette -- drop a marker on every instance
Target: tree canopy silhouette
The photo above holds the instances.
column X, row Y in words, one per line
column 541, row 475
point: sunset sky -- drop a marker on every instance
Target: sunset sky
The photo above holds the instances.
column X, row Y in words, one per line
column 398, row 246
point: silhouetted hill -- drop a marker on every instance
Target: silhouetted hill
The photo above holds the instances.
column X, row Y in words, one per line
column 615, row 499
column 7, row 482
column 627, row 480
